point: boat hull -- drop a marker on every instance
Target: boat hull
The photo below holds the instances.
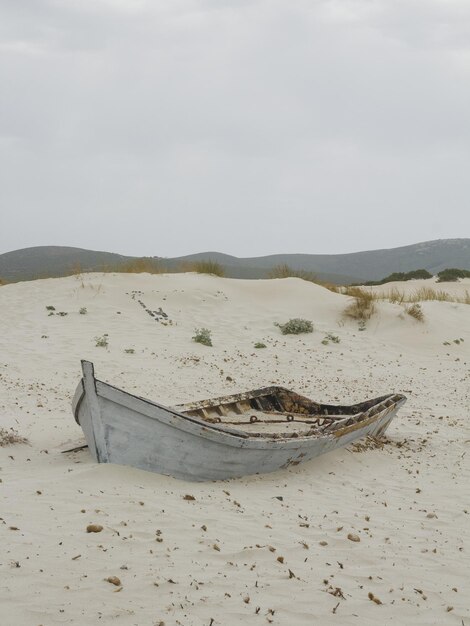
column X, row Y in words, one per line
column 127, row 430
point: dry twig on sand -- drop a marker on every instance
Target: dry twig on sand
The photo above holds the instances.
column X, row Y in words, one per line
column 9, row 437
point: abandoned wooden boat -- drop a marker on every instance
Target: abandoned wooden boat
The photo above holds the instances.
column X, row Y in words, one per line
column 248, row 433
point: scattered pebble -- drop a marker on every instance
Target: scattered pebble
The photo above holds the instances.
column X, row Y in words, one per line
column 94, row 528
column 371, row 596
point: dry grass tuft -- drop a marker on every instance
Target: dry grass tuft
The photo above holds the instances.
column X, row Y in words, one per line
column 363, row 306
column 141, row 265
column 9, row 437
column 395, row 296
column 415, row 311
column 423, row 294
column 331, row 287
column 428, row 293
column 285, row 271
column 204, row 267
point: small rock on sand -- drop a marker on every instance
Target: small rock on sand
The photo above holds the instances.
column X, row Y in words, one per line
column 94, row 528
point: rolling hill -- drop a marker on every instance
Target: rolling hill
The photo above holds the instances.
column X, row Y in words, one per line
column 50, row 261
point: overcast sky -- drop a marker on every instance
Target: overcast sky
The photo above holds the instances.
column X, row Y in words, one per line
column 166, row 127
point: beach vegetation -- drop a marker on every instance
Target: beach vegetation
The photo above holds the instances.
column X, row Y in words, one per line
column 83, row 310
column 452, row 274
column 423, row 294
column 428, row 293
column 362, row 307
column 102, row 342
column 330, row 337
column 401, row 276
column 415, row 311
column 203, row 335
column 204, row 267
column 77, row 271
column 141, row 265
column 285, row 271
column 259, row 345
column 395, row 296
column 295, row 326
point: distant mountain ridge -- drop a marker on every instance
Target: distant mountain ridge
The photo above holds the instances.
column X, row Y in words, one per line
column 434, row 256
column 51, row 261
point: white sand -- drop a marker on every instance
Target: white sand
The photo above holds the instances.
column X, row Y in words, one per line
column 409, row 502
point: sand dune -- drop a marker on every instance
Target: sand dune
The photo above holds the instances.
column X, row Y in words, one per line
column 264, row 549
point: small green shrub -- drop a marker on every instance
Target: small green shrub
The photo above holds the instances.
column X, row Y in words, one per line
column 62, row 313
column 452, row 274
column 102, row 342
column 203, row 335
column 260, row 344
column 400, row 276
column 129, row 350
column 49, row 307
column 295, row 326
column 83, row 311
column 456, row 341
column 329, row 337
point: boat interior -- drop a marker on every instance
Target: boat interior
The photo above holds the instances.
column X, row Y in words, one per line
column 275, row 409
